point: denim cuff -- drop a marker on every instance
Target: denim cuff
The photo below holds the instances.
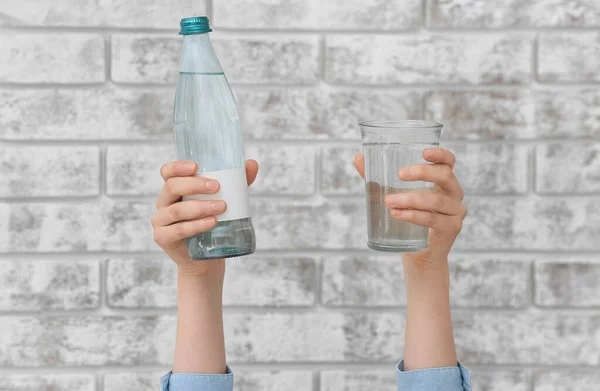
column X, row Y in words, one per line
column 456, row 378
column 197, row 382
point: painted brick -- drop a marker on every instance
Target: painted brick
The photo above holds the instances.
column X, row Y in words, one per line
column 86, row 340
column 284, row 170
column 291, row 225
column 144, row 282
column 569, row 57
column 271, row 281
column 482, row 115
column 135, row 170
column 111, row 13
column 58, row 382
column 313, row 337
column 313, row 14
column 49, row 171
column 385, row 380
column 89, row 226
column 338, row 173
column 386, row 59
column 568, row 114
column 98, row 114
column 518, row 13
column 523, row 338
column 379, row 281
column 534, row 224
column 141, row 282
column 51, row 58
column 572, row 168
column 45, row 285
column 567, row 380
column 145, row 58
column 322, row 114
column 501, row 380
column 569, row 284
column 152, row 58
column 486, row 169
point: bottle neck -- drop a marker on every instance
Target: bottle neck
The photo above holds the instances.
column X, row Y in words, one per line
column 198, row 55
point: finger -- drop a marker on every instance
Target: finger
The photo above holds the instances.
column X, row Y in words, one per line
column 440, row 174
column 178, row 168
column 436, row 221
column 427, row 201
column 439, row 156
column 187, row 210
column 359, row 163
column 177, row 187
column 170, row 234
column 251, row 171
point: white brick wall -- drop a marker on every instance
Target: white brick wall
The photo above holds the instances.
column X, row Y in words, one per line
column 87, row 301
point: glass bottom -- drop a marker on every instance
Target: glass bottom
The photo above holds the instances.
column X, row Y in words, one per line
column 227, row 240
column 400, row 246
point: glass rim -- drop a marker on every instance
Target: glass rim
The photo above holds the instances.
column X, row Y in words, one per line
column 400, row 124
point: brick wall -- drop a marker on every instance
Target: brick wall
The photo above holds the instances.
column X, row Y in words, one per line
column 86, row 88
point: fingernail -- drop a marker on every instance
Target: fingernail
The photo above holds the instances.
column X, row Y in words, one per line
column 212, row 185
column 396, row 200
column 188, row 165
column 399, row 213
column 404, row 172
column 218, row 207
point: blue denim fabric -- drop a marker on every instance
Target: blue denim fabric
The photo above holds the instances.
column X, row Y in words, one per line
column 443, row 379
column 435, row 379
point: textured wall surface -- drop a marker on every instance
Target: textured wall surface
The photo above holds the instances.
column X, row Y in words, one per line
column 87, row 300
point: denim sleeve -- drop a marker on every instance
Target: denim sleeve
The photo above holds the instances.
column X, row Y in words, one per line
column 196, row 382
column 456, row 378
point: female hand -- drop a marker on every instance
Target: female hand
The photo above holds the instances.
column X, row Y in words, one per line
column 441, row 210
column 176, row 220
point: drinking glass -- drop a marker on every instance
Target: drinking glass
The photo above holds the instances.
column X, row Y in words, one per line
column 388, row 146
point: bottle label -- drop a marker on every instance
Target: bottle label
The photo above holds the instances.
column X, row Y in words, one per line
column 233, row 190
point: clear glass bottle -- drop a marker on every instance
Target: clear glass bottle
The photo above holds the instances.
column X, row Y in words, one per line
column 207, row 131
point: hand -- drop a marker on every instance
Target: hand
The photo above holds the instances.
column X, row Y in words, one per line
column 176, row 220
column 441, row 210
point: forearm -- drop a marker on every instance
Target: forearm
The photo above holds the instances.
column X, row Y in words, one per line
column 429, row 341
column 200, row 344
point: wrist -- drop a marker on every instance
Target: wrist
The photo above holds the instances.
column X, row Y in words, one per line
column 427, row 282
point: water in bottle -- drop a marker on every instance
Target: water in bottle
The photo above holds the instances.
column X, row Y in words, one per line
column 207, row 131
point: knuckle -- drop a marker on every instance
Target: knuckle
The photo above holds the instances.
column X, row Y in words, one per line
column 457, row 226
column 170, row 185
column 431, row 219
column 158, row 237
column 439, row 201
column 181, row 230
column 175, row 212
column 448, row 173
column 153, row 220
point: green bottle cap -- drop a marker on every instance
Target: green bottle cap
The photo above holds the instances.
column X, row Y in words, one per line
column 195, row 25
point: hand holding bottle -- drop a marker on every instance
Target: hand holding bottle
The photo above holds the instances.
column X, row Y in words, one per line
column 176, row 220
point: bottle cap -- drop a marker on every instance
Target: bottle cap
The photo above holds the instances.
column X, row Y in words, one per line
column 195, row 25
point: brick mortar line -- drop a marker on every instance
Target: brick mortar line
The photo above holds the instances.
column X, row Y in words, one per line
column 314, row 367
column 526, row 88
column 295, row 142
column 543, row 256
column 303, row 31
column 316, row 309
column 504, row 253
